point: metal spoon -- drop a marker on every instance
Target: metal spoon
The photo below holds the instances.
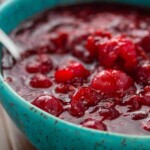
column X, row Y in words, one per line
column 9, row 44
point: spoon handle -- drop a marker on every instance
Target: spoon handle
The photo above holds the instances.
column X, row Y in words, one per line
column 9, row 44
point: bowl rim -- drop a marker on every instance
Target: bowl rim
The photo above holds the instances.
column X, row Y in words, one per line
column 18, row 98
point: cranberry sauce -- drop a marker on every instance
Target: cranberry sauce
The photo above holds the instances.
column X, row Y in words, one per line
column 86, row 64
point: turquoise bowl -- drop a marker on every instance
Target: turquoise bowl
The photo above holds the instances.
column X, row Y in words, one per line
column 45, row 131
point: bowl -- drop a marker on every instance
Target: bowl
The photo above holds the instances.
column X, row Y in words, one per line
column 42, row 129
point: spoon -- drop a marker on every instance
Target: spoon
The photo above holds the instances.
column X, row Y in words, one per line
column 9, row 44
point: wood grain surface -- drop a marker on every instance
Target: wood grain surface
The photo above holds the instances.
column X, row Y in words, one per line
column 10, row 137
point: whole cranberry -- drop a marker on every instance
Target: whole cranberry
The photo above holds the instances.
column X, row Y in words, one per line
column 112, row 82
column 139, row 115
column 33, row 67
column 94, row 124
column 109, row 114
column 40, row 81
column 49, row 104
column 45, row 63
column 71, row 71
column 94, row 40
column 83, row 98
column 118, row 48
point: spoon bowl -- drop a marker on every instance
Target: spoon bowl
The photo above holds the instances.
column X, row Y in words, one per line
column 9, row 44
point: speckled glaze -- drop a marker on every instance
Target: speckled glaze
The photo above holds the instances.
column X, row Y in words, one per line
column 45, row 131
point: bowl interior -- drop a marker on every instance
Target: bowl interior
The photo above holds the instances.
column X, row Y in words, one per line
column 8, row 24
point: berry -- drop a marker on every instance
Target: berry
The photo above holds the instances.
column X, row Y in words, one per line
column 49, row 104
column 33, row 67
column 64, row 75
column 71, row 71
column 45, row 63
column 40, row 81
column 117, row 48
column 109, row 114
column 94, row 40
column 94, row 124
column 83, row 98
column 133, row 102
column 59, row 39
column 143, row 74
column 112, row 82
column 139, row 115
column 145, row 43
column 146, row 96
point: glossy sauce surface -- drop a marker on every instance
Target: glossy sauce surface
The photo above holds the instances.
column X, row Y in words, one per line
column 87, row 64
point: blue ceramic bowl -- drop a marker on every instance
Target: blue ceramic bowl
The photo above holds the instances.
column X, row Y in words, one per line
column 45, row 131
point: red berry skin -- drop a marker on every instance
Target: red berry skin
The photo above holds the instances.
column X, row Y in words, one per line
column 143, row 74
column 91, row 46
column 77, row 109
column 145, row 43
column 64, row 75
column 112, row 82
column 133, row 102
column 146, row 96
column 82, row 99
column 49, row 104
column 78, row 69
column 94, row 124
column 33, row 67
column 45, row 63
column 117, row 48
column 109, row 114
column 40, row 81
column 139, row 115
column 94, row 40
column 59, row 39
column 72, row 71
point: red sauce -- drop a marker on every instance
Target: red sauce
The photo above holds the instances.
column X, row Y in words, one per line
column 86, row 64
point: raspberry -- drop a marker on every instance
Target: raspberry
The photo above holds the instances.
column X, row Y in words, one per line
column 40, row 81
column 112, row 82
column 49, row 104
column 94, row 124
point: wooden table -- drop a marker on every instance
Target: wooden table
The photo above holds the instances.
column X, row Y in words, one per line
column 10, row 137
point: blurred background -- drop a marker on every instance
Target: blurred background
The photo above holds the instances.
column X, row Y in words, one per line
column 10, row 137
